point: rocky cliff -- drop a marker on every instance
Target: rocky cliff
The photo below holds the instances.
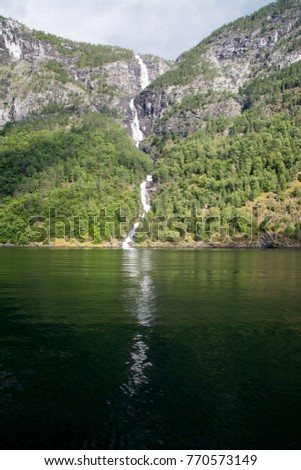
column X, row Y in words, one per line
column 42, row 74
column 206, row 80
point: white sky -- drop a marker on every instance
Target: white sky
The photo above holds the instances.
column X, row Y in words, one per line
column 162, row 27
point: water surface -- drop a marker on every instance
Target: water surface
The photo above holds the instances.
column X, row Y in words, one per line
column 146, row 349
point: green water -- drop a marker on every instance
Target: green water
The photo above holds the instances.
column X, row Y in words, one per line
column 146, row 349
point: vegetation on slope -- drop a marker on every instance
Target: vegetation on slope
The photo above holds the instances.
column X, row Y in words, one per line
column 255, row 20
column 193, row 63
column 88, row 55
column 66, row 169
column 222, row 167
column 234, row 179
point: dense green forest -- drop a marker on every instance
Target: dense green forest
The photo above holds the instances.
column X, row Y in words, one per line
column 87, row 169
column 221, row 168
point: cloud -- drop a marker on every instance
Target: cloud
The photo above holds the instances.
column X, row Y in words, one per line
column 162, row 27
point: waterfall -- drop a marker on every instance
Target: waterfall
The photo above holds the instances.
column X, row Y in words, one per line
column 144, row 77
column 144, row 82
column 138, row 137
column 145, row 199
column 146, row 207
column 136, row 131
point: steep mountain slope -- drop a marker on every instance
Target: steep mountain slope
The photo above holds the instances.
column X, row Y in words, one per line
column 44, row 74
column 218, row 176
column 66, row 178
column 206, row 80
column 226, row 134
column 222, row 126
column 63, row 150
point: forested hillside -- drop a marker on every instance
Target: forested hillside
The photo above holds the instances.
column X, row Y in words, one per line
column 58, row 168
column 222, row 170
column 222, row 130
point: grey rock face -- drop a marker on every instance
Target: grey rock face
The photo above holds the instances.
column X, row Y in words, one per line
column 42, row 73
column 224, row 63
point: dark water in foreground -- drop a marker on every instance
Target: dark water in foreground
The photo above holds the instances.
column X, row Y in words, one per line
column 150, row 349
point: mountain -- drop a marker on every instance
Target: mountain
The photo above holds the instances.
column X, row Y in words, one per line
column 207, row 78
column 42, row 74
column 224, row 132
column 221, row 126
column 64, row 149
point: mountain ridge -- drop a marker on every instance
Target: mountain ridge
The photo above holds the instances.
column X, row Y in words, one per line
column 53, row 69
column 222, row 63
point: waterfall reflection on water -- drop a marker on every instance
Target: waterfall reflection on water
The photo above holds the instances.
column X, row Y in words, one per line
column 137, row 266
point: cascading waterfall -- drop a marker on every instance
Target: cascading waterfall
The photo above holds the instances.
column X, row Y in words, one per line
column 136, row 131
column 138, row 137
column 145, row 199
column 146, row 207
column 144, row 77
column 144, row 82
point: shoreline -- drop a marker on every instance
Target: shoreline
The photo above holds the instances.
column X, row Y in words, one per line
column 161, row 246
